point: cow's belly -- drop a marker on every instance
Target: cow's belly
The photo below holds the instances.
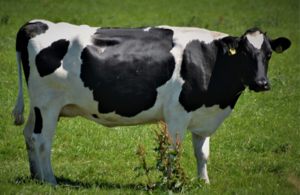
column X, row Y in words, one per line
column 112, row 119
column 207, row 120
column 79, row 101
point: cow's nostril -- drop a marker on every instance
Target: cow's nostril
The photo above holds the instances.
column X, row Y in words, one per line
column 265, row 84
column 260, row 83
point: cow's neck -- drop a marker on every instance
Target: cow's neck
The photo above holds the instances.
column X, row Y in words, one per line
column 210, row 77
column 225, row 83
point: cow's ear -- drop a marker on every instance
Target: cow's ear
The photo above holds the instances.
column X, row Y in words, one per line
column 280, row 44
column 230, row 44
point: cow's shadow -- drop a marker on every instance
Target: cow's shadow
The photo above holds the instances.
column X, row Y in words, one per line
column 64, row 182
column 102, row 183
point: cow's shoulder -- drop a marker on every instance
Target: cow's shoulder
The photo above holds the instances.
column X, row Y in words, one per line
column 198, row 70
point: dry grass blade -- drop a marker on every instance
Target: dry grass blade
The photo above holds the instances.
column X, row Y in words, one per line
column 295, row 181
column 141, row 153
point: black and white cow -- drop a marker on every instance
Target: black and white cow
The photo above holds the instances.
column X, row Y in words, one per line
column 190, row 78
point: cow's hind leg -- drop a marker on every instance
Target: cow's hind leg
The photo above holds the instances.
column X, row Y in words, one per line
column 201, row 151
column 42, row 137
column 32, row 155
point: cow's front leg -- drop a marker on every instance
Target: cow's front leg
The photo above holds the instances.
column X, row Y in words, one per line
column 175, row 128
column 43, row 133
column 177, row 125
column 201, row 151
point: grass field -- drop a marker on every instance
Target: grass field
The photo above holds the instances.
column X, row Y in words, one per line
column 254, row 151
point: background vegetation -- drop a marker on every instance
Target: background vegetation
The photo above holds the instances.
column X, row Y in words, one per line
column 254, row 151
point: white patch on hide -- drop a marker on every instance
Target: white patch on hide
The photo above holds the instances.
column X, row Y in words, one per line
column 206, row 120
column 147, row 29
column 256, row 39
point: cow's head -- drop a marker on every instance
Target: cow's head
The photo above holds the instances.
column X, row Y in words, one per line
column 251, row 53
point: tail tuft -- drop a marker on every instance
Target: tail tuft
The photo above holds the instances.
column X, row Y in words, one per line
column 18, row 112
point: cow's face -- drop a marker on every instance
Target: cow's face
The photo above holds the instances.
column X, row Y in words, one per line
column 253, row 50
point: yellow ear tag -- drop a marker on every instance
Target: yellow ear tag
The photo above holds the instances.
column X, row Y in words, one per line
column 279, row 49
column 231, row 51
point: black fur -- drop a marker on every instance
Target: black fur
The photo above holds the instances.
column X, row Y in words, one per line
column 125, row 77
column 38, row 121
column 49, row 59
column 95, row 116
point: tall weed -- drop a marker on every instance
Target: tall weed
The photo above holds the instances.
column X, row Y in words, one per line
column 173, row 177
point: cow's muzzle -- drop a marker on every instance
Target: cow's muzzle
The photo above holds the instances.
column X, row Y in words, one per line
column 260, row 85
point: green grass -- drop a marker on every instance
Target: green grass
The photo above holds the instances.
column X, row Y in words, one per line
column 254, row 150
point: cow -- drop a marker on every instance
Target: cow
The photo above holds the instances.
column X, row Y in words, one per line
column 191, row 78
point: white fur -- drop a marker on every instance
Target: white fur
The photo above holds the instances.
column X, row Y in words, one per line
column 201, row 152
column 206, row 121
column 256, row 39
column 147, row 29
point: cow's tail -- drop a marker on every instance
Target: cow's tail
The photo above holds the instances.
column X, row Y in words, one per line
column 19, row 107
